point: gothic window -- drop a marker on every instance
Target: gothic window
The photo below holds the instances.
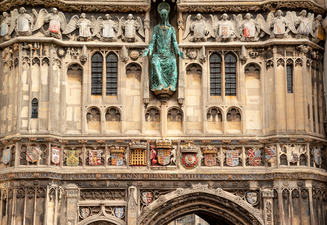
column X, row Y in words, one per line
column 113, row 114
column 214, row 115
column 230, row 75
column 215, row 75
column 35, row 109
column 111, row 77
column 152, row 115
column 93, row 115
column 96, row 78
column 175, row 115
column 289, row 73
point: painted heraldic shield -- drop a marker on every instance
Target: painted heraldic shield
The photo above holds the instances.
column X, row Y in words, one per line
column 55, row 158
column 232, row 158
column 147, row 197
column 117, row 159
column 33, row 154
column 254, row 157
column 163, row 156
column 119, row 212
column 252, row 197
column 189, row 160
column 270, row 154
column 72, row 157
column 6, row 156
column 95, row 157
column 210, row 159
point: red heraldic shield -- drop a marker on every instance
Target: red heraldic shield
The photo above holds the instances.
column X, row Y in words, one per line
column 254, row 157
column 95, row 157
column 210, row 159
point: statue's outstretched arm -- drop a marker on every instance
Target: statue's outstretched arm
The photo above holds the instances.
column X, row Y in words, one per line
column 149, row 50
column 177, row 51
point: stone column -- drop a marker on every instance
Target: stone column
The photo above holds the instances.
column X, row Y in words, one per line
column 268, row 196
column 72, row 194
column 132, row 206
column 324, row 24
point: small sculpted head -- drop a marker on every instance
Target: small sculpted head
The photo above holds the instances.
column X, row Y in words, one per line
column 164, row 14
column 248, row 16
column 83, row 15
column 198, row 16
column 130, row 17
column 22, row 10
column 303, row 13
column 5, row 14
column 224, row 17
column 107, row 17
column 279, row 13
column 319, row 18
column 54, row 10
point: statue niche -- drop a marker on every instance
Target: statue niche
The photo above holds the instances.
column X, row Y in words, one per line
column 163, row 74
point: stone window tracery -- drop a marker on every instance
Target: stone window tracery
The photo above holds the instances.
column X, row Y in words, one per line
column 215, row 75
column 230, row 75
column 96, row 79
column 111, row 76
column 175, row 115
column 113, row 114
column 35, row 109
column 234, row 115
column 214, row 115
column 152, row 115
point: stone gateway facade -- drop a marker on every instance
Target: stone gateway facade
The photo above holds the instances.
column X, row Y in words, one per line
column 96, row 128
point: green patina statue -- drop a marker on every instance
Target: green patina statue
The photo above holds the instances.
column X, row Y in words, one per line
column 163, row 63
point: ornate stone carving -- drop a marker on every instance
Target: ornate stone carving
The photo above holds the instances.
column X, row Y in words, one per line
column 83, row 24
column 130, row 27
column 199, row 29
column 57, row 22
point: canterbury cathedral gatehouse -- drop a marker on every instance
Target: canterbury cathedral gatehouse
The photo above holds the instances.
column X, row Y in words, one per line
column 163, row 112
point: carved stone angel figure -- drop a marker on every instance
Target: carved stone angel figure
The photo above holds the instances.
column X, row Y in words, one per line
column 279, row 24
column 305, row 22
column 6, row 27
column 130, row 27
column 56, row 20
column 250, row 28
column 200, row 29
column 318, row 30
column 24, row 23
column 226, row 29
column 109, row 28
column 83, row 24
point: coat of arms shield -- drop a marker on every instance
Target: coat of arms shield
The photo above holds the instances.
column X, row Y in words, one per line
column 270, row 154
column 6, row 156
column 254, row 157
column 189, row 160
column 4, row 29
column 317, row 156
column 117, row 158
column 232, row 158
column 163, row 156
column 94, row 157
column 72, row 157
column 252, row 197
column 119, row 212
column 55, row 157
column 33, row 154
column 210, row 159
column 147, row 197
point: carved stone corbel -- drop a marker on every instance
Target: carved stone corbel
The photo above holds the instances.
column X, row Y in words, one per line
column 268, row 196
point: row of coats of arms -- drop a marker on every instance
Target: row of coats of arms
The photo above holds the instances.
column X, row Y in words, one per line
column 54, row 24
column 190, row 155
column 276, row 25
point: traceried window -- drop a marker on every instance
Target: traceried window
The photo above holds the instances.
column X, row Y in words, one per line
column 111, row 77
column 96, row 78
column 35, row 109
column 215, row 75
column 230, row 75
column 289, row 74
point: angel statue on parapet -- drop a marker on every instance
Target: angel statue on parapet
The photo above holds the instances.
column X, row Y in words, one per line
column 130, row 27
column 163, row 74
column 200, row 29
column 84, row 26
column 7, row 25
column 109, row 28
column 55, row 19
column 280, row 25
column 227, row 30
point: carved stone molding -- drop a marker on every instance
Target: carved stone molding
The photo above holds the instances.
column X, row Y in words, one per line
column 80, row 6
column 151, row 211
column 227, row 7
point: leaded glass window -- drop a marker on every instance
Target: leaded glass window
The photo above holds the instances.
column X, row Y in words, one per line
column 289, row 72
column 230, row 75
column 96, row 78
column 215, row 75
column 111, row 76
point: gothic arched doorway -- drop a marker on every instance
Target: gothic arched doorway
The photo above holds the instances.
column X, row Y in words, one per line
column 216, row 206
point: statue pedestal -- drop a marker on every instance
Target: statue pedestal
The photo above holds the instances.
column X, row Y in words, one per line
column 163, row 95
